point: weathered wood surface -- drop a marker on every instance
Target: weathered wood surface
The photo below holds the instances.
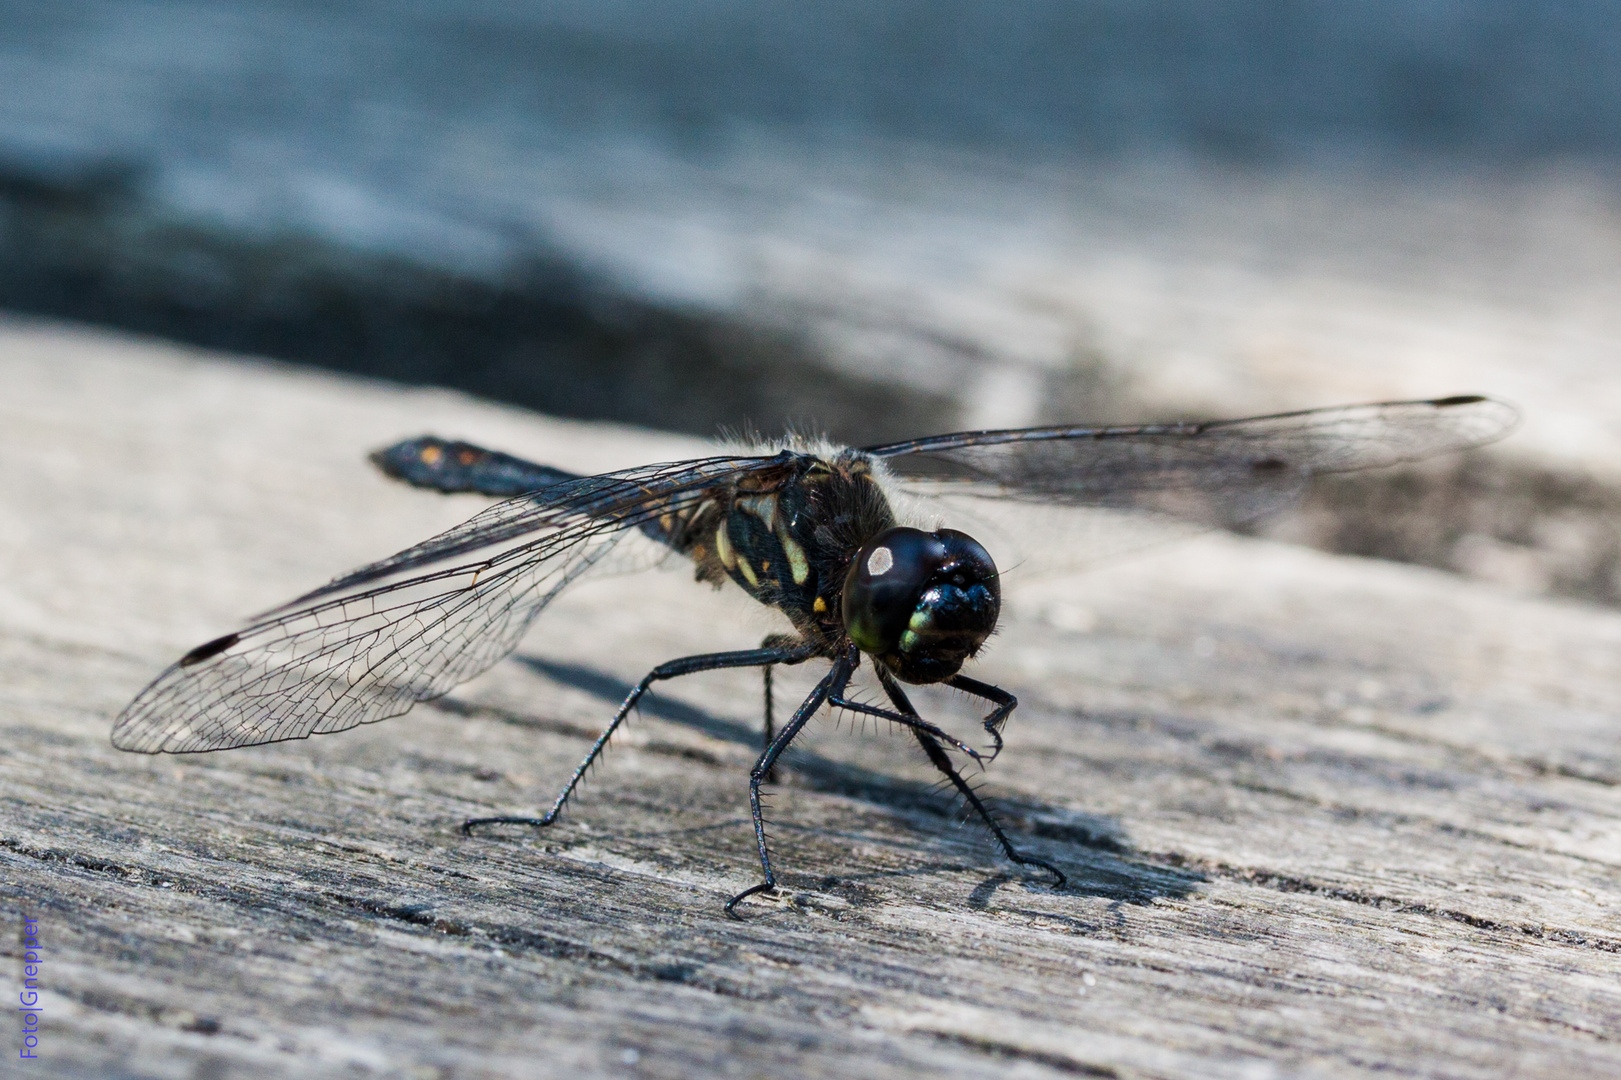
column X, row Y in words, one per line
column 1321, row 816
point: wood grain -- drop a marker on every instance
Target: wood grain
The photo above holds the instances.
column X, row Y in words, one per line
column 1322, row 816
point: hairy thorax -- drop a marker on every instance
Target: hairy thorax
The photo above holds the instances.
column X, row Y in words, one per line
column 787, row 536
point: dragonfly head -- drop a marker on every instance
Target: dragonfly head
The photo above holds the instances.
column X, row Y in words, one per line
column 921, row 602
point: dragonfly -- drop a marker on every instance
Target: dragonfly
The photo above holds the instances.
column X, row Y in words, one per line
column 831, row 537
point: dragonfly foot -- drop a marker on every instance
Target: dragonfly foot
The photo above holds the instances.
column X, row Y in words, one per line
column 1059, row 880
column 763, row 887
column 471, row 823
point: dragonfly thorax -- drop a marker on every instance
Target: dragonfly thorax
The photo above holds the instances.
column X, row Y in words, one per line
column 922, row 603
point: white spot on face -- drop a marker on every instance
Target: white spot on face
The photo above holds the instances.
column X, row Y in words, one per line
column 879, row 562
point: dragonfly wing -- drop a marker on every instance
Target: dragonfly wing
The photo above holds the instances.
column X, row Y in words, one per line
column 409, row 628
column 1064, row 497
column 1219, row 472
column 1028, row 538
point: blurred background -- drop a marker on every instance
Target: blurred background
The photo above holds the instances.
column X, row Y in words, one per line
column 875, row 219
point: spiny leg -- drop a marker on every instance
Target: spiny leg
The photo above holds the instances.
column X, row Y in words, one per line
column 914, row 722
column 940, row 760
column 832, row 683
column 687, row 665
column 1005, row 704
column 772, row 641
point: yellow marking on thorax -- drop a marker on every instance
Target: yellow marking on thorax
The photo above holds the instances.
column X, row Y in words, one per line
column 723, row 548
column 763, row 507
column 748, row 572
column 797, row 562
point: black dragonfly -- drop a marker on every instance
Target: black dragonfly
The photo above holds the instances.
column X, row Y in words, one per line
column 811, row 530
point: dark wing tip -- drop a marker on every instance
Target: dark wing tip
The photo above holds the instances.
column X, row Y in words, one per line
column 209, row 649
column 1491, row 417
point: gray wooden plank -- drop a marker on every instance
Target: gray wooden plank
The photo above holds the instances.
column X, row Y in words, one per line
column 1322, row 816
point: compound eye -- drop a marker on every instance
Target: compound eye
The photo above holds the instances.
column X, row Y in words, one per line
column 923, row 603
column 885, row 579
column 954, row 614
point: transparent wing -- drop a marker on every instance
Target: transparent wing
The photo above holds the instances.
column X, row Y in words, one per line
column 1216, row 472
column 1063, row 496
column 1035, row 539
column 376, row 641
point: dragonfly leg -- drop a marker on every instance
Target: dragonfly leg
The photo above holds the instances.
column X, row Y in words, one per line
column 772, row 641
column 1005, row 704
column 937, row 756
column 832, row 683
column 794, row 653
column 913, row 721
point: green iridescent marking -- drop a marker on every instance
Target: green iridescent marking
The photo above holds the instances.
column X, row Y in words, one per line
column 920, row 620
column 909, row 641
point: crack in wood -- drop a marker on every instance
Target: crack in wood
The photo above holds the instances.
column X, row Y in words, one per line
column 1288, row 883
